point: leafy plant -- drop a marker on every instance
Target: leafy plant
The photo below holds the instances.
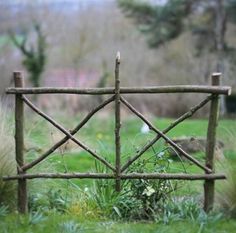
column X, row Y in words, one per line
column 70, row 227
column 3, row 210
column 35, row 218
column 37, row 202
column 57, row 200
column 103, row 193
column 151, row 194
column 186, row 208
column 54, row 200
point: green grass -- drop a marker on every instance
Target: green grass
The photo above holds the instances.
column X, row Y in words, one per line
column 70, row 224
column 99, row 135
column 99, row 130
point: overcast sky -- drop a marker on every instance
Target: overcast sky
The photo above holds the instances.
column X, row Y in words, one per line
column 70, row 1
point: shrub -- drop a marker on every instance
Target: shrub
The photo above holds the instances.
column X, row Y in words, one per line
column 7, row 160
column 150, row 196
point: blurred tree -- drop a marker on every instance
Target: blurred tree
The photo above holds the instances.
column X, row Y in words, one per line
column 103, row 80
column 161, row 23
column 206, row 19
column 34, row 57
column 231, row 9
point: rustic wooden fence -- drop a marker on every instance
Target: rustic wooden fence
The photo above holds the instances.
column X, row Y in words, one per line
column 118, row 171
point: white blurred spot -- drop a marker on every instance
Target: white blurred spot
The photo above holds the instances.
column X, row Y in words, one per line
column 145, row 128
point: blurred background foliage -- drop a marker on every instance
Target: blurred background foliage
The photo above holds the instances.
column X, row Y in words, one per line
column 161, row 43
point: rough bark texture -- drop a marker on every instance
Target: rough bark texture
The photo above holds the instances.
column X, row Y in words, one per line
column 224, row 90
column 176, row 176
column 209, row 186
column 117, row 122
column 19, row 145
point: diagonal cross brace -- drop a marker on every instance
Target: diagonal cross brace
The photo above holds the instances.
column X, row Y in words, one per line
column 166, row 130
column 161, row 134
column 69, row 135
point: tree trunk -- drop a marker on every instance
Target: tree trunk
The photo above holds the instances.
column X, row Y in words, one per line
column 220, row 29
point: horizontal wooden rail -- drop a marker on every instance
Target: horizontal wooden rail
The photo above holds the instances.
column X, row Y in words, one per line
column 224, row 90
column 177, row 176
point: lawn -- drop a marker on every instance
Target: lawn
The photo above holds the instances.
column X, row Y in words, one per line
column 70, row 224
column 99, row 135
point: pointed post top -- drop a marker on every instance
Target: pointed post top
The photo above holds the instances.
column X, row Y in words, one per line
column 118, row 57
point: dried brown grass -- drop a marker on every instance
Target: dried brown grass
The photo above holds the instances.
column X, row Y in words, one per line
column 7, row 161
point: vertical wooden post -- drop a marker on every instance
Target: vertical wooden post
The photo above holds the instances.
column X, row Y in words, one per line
column 19, row 144
column 209, row 185
column 117, row 122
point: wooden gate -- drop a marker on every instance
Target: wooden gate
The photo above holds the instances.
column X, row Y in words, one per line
column 117, row 170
